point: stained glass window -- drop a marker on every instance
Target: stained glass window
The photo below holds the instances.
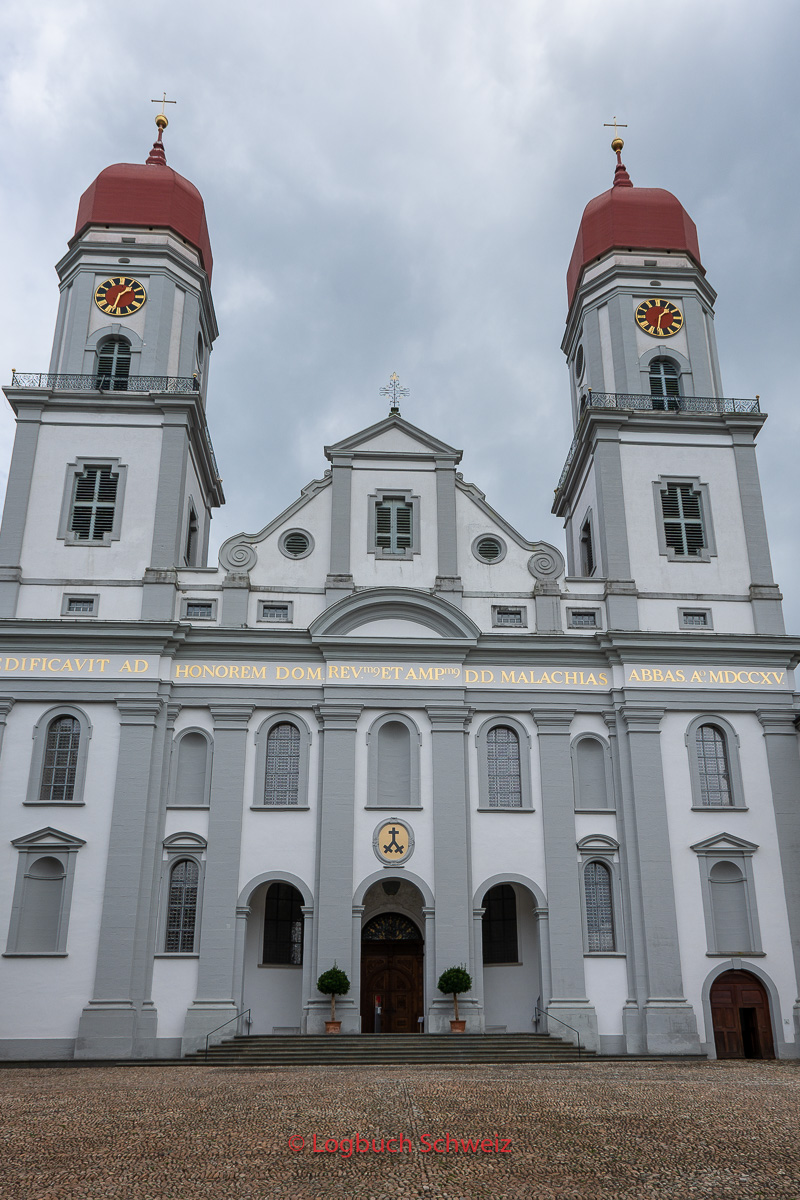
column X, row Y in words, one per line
column 282, row 782
column 390, row 927
column 712, row 757
column 502, row 760
column 60, row 761
column 599, row 908
column 182, row 908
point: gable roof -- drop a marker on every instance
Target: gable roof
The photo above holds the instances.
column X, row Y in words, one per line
column 359, row 443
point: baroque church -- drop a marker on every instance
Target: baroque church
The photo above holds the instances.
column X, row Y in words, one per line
column 388, row 731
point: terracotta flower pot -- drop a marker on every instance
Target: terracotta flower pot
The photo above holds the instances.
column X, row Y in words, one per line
column 333, row 1026
column 458, row 1026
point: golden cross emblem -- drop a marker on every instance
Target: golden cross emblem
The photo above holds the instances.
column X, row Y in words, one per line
column 161, row 119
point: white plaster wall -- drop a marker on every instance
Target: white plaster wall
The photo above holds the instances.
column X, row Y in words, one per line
column 307, row 606
column 275, row 570
column 710, row 460
column 756, row 825
column 138, row 446
column 585, row 500
column 607, row 990
column 497, row 579
column 511, row 992
column 44, row 602
column 727, row 617
column 30, row 985
column 174, row 989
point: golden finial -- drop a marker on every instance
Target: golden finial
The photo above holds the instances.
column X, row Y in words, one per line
column 161, row 120
column 617, row 142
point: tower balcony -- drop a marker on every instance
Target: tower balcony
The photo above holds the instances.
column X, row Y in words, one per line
column 678, row 405
column 164, row 384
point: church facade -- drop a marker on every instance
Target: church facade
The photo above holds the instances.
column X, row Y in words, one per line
column 388, row 731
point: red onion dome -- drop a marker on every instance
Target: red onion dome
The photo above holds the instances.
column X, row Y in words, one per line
column 630, row 218
column 147, row 194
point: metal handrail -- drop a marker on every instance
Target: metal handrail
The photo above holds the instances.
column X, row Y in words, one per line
column 97, row 382
column 244, row 1013
column 550, row 1017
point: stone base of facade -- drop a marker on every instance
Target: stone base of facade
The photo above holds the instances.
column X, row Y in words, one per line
column 318, row 1012
column 670, row 1027
column 117, row 1029
column 440, row 1014
column 203, row 1019
column 578, row 1018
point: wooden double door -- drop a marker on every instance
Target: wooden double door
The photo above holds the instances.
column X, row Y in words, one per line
column 391, row 978
column 740, row 1014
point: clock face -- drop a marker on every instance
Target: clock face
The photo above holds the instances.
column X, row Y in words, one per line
column 661, row 318
column 120, row 296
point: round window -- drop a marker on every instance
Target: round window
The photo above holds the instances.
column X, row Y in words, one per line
column 296, row 543
column 489, row 549
column 579, row 362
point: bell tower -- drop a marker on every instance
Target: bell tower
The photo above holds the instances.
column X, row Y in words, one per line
column 660, row 494
column 119, row 417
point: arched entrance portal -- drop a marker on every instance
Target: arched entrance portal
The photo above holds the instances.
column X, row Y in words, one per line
column 391, row 975
column 740, row 1015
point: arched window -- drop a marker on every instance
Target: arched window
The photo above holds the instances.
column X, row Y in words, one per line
column 599, row 907
column 191, row 784
column 113, row 364
column 714, row 768
column 503, row 765
column 729, row 907
column 60, row 766
column 283, row 764
column 182, row 907
column 393, row 771
column 664, row 383
column 591, row 790
column 499, row 925
column 283, row 925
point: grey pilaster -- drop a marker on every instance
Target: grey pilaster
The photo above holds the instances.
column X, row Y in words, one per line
column 568, row 1001
column 697, row 343
column 612, row 527
column 340, row 581
column 446, row 522
column 6, row 705
column 189, row 332
column 477, row 954
column 668, row 1020
column 624, row 350
column 157, row 325
column 308, row 959
column 780, row 740
column 15, row 510
column 113, row 1024
column 765, row 597
column 595, row 377
column 334, row 919
column 547, row 603
column 235, row 599
column 542, row 918
column 242, row 917
column 77, row 322
column 217, row 986
column 451, row 863
column 430, row 964
column 158, row 598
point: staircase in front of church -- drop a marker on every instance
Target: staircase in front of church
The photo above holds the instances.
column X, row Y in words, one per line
column 402, row 1049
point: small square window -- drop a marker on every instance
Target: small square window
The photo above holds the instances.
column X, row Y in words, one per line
column 275, row 612
column 506, row 616
column 199, row 610
column 583, row 618
column 695, row 618
column 79, row 606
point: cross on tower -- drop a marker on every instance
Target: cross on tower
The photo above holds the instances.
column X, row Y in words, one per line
column 394, row 390
column 608, row 124
column 161, row 119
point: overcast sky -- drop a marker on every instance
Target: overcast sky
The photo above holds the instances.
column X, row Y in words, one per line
column 396, row 185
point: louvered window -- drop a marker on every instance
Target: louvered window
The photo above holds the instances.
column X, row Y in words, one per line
column 283, row 925
column 94, row 500
column 113, row 365
column 192, row 533
column 683, row 520
column 282, row 783
column 503, row 763
column 182, row 907
column 60, row 761
column 393, row 525
column 499, row 925
column 599, row 908
column 587, row 549
column 715, row 775
column 664, row 384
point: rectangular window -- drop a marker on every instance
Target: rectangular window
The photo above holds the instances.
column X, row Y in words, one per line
column 508, row 616
column 583, row 618
column 200, row 610
column 93, row 503
column 275, row 612
column 393, row 525
column 79, row 606
column 695, row 618
column 683, row 520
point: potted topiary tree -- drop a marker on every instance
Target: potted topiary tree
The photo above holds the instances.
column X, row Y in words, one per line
column 333, row 983
column 452, row 982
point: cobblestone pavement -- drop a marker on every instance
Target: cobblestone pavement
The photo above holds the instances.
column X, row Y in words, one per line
column 627, row 1131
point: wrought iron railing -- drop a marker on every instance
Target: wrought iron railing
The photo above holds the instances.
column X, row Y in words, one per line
column 540, row 1012
column 243, row 1015
column 669, row 404
column 169, row 384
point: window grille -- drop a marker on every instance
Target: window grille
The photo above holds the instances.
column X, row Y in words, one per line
column 712, row 758
column 182, row 907
column 94, row 501
column 599, row 908
column 275, row 612
column 282, row 784
column 499, row 925
column 80, row 604
column 587, row 549
column 583, row 620
column 664, row 384
column 683, row 520
column 60, row 761
column 200, row 609
column 393, row 526
column 489, row 549
column 508, row 616
column 503, row 763
column 283, row 925
column 113, row 365
column 695, row 619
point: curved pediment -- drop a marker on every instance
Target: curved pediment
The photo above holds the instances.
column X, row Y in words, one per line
column 385, row 612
